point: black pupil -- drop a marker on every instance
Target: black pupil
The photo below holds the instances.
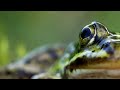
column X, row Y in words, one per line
column 85, row 33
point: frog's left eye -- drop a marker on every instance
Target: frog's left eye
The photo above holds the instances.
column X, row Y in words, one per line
column 85, row 33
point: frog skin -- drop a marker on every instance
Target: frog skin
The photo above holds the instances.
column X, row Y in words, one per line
column 95, row 44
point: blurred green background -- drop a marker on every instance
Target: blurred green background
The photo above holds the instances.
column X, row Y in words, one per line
column 22, row 31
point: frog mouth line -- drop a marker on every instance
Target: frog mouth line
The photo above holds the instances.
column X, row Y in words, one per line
column 88, row 68
column 94, row 73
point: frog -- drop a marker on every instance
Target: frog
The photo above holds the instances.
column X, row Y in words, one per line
column 95, row 44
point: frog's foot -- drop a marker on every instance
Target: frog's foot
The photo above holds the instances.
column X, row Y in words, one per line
column 46, row 76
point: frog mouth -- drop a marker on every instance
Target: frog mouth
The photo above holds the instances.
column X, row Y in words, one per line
column 95, row 74
column 102, row 66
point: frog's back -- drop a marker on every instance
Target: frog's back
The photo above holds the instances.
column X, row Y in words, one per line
column 37, row 61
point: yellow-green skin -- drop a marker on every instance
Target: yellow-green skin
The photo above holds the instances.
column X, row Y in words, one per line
column 87, row 48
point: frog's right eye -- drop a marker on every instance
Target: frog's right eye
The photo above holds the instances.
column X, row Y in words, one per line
column 86, row 32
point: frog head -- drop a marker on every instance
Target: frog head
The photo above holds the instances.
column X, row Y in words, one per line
column 92, row 33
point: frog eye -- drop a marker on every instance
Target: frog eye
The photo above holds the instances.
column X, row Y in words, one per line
column 85, row 33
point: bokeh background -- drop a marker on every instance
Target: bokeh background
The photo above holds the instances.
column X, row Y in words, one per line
column 22, row 31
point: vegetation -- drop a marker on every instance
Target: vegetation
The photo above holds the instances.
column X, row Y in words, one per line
column 7, row 54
